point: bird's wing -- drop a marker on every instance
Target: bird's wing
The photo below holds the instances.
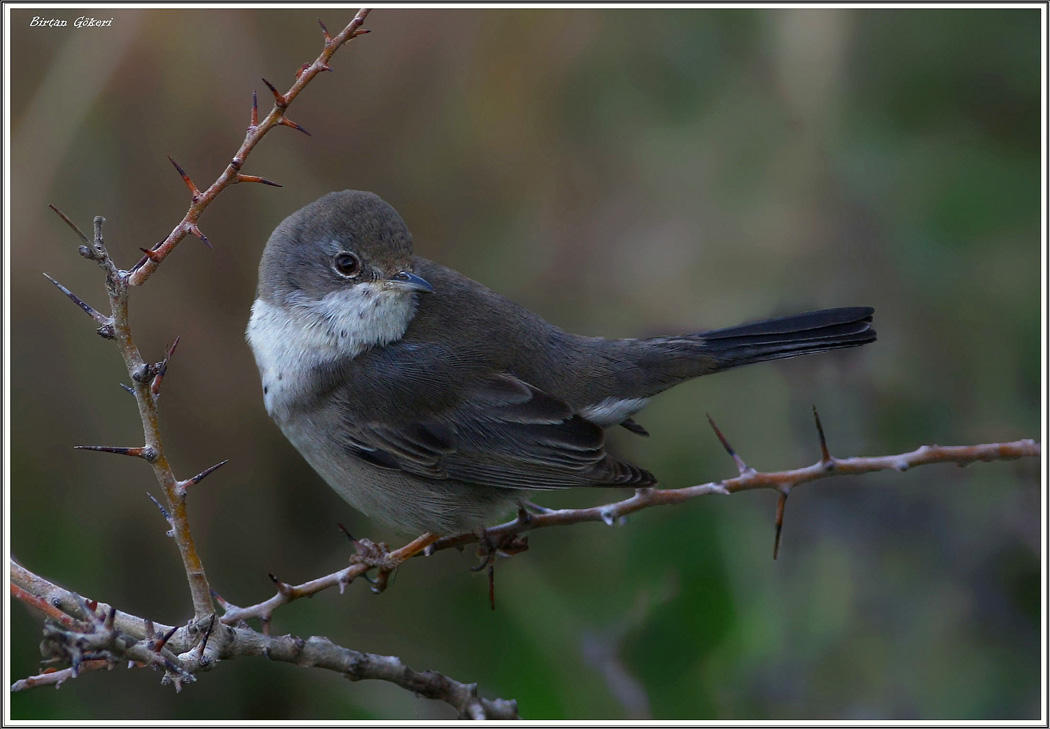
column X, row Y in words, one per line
column 504, row 433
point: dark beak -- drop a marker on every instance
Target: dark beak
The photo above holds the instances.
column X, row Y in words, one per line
column 406, row 281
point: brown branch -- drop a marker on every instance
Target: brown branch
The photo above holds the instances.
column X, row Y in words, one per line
column 613, row 513
column 101, row 636
column 142, row 377
column 40, row 605
column 781, row 481
column 56, row 678
column 147, row 377
column 317, row 652
column 200, row 200
column 368, row 556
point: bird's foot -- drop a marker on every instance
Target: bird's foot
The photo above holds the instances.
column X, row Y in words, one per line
column 378, row 555
column 506, row 545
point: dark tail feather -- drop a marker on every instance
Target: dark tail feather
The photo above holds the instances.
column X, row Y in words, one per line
column 789, row 336
column 663, row 362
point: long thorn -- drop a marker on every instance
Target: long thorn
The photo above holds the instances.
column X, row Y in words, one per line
column 289, row 123
column 194, row 192
column 254, row 178
column 97, row 316
column 163, row 640
column 163, row 511
column 197, row 232
column 492, row 586
column 781, row 503
column 278, row 97
column 193, row 481
column 324, row 29
column 207, row 634
column 255, row 110
column 825, row 456
column 144, row 452
column 70, row 223
column 223, row 602
column 342, row 528
column 171, row 349
column 740, row 465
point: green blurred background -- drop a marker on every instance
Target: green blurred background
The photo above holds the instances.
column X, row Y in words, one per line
column 624, row 173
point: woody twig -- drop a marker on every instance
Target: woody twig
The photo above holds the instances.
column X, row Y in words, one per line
column 749, row 479
column 91, row 636
column 201, row 199
column 509, row 537
column 147, row 376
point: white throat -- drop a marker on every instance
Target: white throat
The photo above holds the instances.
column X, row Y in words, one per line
column 290, row 340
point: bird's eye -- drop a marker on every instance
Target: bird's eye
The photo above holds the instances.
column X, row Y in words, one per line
column 346, row 264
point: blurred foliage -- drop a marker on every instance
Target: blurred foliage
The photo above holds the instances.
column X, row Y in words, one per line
column 623, row 172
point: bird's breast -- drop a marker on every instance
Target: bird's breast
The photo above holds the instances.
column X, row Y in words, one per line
column 293, row 342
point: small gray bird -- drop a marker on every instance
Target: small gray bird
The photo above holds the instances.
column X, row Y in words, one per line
column 436, row 405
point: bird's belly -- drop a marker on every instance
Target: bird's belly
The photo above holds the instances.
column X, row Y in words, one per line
column 409, row 503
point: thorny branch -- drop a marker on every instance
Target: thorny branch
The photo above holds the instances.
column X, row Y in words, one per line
column 508, row 538
column 93, row 636
column 195, row 649
column 781, row 481
column 147, row 377
column 201, row 199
